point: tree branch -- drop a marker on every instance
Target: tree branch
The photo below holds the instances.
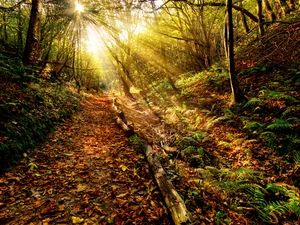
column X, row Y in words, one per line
column 12, row 8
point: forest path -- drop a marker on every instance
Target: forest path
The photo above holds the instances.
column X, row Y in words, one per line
column 86, row 172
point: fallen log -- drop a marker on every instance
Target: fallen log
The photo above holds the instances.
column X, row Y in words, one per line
column 127, row 128
column 174, row 203
column 172, row 199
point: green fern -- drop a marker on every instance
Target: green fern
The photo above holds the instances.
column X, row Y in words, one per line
column 252, row 102
column 215, row 120
column 270, row 138
column 199, row 135
column 277, row 95
column 252, row 126
column 279, row 125
column 290, row 111
column 297, row 158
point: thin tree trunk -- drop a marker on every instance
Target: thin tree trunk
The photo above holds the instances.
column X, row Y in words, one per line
column 260, row 18
column 31, row 51
column 284, row 7
column 244, row 20
column 238, row 95
column 226, row 36
column 126, row 87
column 269, row 10
column 20, row 29
column 166, row 66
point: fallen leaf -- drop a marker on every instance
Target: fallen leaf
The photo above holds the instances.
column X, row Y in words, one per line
column 121, row 195
column 109, row 159
column 77, row 220
column 124, row 168
column 81, row 187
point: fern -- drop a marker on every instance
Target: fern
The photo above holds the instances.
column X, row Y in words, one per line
column 199, row 135
column 297, row 158
column 277, row 95
column 290, row 111
column 215, row 120
column 270, row 138
column 252, row 126
column 252, row 102
column 279, row 125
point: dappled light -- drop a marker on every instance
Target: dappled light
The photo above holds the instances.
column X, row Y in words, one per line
column 149, row 112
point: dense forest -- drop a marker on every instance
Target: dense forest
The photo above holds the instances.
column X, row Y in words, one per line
column 208, row 90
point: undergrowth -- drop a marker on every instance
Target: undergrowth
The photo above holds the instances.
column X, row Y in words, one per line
column 30, row 109
column 225, row 144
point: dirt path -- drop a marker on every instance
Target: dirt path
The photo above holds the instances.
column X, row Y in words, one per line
column 86, row 173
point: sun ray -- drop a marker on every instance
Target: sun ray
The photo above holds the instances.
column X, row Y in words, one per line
column 79, row 8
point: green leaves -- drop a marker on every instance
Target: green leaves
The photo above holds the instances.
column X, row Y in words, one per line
column 279, row 125
column 32, row 166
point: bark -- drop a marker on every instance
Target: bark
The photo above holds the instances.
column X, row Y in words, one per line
column 20, row 28
column 284, row 7
column 260, row 18
column 238, row 95
column 226, row 36
column 172, row 199
column 126, row 87
column 269, row 10
column 244, row 20
column 31, row 51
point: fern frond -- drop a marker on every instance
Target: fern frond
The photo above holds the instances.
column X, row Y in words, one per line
column 279, row 125
column 297, row 158
column 228, row 112
column 285, row 189
column 199, row 135
column 253, row 126
column 290, row 111
column 270, row 137
column 252, row 102
column 215, row 120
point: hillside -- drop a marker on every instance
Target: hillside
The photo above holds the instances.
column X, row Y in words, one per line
column 232, row 164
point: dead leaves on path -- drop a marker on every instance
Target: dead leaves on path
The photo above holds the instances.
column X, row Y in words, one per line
column 87, row 173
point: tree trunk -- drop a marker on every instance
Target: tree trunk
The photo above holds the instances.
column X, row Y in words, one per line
column 244, row 20
column 284, row 7
column 226, row 36
column 238, row 95
column 260, row 18
column 269, row 10
column 166, row 66
column 20, row 29
column 31, row 51
column 126, row 87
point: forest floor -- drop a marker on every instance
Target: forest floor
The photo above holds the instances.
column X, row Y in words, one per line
column 86, row 172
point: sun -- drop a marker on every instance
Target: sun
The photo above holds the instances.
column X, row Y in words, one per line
column 79, row 8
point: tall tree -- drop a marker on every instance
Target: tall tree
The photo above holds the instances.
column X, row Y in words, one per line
column 237, row 94
column 31, row 51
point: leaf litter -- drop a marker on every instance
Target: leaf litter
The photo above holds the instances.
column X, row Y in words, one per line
column 86, row 173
